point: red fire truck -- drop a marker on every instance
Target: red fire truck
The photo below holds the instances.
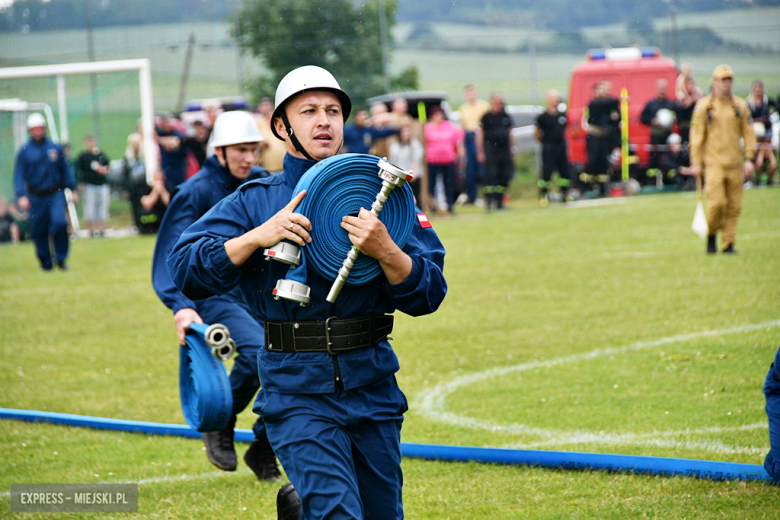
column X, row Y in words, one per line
column 633, row 68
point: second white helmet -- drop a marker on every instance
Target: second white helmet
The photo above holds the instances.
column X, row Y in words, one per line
column 235, row 127
column 35, row 120
column 308, row 77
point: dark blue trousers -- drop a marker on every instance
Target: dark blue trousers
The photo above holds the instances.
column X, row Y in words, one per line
column 341, row 451
column 249, row 337
column 473, row 168
column 47, row 217
column 447, row 171
column 772, row 393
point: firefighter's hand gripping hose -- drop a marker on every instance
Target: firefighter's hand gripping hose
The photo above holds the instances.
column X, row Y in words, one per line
column 340, row 186
column 206, row 396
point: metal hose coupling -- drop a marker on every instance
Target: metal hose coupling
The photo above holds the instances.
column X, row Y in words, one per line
column 217, row 337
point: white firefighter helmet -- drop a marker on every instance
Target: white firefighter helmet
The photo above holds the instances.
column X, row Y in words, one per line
column 35, row 120
column 674, row 139
column 308, row 77
column 632, row 187
column 665, row 118
column 235, row 127
column 760, row 130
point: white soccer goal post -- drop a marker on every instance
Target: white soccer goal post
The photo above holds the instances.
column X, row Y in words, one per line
column 60, row 70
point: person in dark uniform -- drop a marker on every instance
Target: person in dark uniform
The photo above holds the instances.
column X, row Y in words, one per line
column 42, row 172
column 676, row 164
column 494, row 150
column 333, row 417
column 550, row 129
column 761, row 108
column 197, row 143
column 173, row 154
column 656, row 115
column 236, row 140
column 603, row 120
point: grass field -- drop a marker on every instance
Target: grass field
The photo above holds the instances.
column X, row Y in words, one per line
column 518, row 356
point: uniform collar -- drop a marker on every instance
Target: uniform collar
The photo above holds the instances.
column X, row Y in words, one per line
column 225, row 177
column 294, row 168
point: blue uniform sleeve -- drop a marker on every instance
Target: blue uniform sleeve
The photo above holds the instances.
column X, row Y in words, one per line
column 425, row 288
column 181, row 213
column 20, row 186
column 198, row 263
column 66, row 171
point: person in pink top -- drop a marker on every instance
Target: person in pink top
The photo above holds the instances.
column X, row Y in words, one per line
column 443, row 146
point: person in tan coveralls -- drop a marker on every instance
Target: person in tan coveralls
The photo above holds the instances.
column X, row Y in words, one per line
column 719, row 120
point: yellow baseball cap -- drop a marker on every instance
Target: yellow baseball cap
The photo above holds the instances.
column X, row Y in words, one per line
column 722, row 72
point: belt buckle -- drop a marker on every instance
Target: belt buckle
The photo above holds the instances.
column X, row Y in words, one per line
column 327, row 335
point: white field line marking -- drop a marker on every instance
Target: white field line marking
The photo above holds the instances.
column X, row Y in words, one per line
column 431, row 403
column 591, row 203
column 169, row 478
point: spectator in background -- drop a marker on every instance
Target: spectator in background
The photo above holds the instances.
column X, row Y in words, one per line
column 154, row 202
column 359, row 136
column 686, row 73
column 9, row 231
column 686, row 100
column 676, row 163
column 197, row 143
column 172, row 153
column 380, row 119
column 471, row 113
column 657, row 114
column 407, row 154
column 274, row 150
column 40, row 177
column 22, row 220
column 494, row 150
column 399, row 115
column 601, row 119
column 135, row 170
column 550, row 129
column 761, row 108
column 444, row 146
column 92, row 172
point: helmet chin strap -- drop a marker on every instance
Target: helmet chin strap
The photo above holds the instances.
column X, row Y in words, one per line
column 293, row 138
column 224, row 157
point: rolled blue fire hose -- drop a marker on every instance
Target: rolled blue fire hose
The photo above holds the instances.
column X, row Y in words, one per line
column 660, row 466
column 206, row 396
column 340, row 186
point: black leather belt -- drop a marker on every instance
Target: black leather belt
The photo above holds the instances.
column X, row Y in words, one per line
column 332, row 335
column 44, row 193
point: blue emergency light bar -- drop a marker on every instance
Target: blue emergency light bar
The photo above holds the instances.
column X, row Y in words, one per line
column 623, row 53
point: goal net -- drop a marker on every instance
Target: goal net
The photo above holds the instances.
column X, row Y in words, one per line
column 109, row 100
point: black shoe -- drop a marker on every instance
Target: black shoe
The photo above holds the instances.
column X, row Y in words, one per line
column 219, row 448
column 712, row 246
column 288, row 503
column 62, row 265
column 261, row 459
column 730, row 250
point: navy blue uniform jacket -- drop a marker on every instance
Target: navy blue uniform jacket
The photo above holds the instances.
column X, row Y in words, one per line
column 201, row 268
column 42, row 166
column 190, row 202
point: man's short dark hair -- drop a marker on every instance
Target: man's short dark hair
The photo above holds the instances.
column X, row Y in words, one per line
column 197, row 122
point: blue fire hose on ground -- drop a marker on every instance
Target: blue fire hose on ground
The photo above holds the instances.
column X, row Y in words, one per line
column 206, row 396
column 660, row 466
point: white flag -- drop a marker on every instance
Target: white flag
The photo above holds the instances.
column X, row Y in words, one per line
column 699, row 225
